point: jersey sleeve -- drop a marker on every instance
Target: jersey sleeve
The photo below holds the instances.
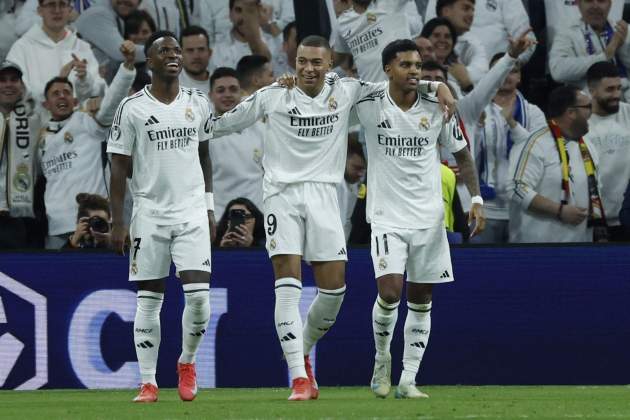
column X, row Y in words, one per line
column 206, row 115
column 122, row 135
column 452, row 137
column 245, row 114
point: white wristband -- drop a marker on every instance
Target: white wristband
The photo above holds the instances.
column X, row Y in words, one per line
column 477, row 200
column 210, row 201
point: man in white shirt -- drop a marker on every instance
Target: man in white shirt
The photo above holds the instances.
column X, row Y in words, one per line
column 509, row 120
column 366, row 28
column 196, row 56
column 584, row 42
column 559, row 12
column 284, row 61
column 469, row 49
column 236, row 158
column 69, row 153
column 245, row 38
column 53, row 49
column 305, row 154
column 165, row 129
column 554, row 190
column 405, row 208
column 609, row 135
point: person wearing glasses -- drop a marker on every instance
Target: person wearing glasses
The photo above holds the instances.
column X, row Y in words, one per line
column 555, row 193
column 64, row 54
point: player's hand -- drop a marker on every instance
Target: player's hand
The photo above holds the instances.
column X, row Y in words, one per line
column 477, row 215
column 128, row 50
column 447, row 101
column 287, row 80
column 573, row 215
column 521, row 44
column 92, row 105
column 119, row 239
column 213, row 225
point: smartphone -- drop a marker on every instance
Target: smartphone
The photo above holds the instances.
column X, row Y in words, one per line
column 236, row 218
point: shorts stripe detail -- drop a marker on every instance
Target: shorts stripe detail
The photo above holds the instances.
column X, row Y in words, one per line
column 196, row 290
column 377, row 250
column 418, row 310
column 385, row 244
column 288, row 285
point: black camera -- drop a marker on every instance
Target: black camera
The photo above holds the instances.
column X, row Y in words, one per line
column 98, row 224
column 236, row 218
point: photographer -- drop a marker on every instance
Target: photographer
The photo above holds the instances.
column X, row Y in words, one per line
column 93, row 228
column 241, row 225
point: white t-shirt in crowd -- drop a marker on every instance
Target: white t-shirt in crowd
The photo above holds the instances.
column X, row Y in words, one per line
column 185, row 80
column 228, row 51
column 610, row 137
column 163, row 141
column 365, row 35
column 404, row 175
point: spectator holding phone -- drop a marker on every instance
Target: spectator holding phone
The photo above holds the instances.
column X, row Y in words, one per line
column 93, row 223
column 241, row 225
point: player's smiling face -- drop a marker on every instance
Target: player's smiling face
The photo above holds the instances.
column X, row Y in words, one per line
column 404, row 70
column 165, row 58
column 59, row 101
column 312, row 64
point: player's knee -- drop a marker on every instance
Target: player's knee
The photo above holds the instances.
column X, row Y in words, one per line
column 198, row 300
column 390, row 296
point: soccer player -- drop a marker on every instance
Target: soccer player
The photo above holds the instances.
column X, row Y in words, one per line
column 404, row 205
column 162, row 129
column 305, row 156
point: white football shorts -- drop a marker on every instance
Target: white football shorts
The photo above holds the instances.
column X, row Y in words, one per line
column 423, row 253
column 303, row 219
column 154, row 246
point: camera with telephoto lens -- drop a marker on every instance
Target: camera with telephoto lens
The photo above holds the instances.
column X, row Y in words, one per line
column 236, row 218
column 98, row 224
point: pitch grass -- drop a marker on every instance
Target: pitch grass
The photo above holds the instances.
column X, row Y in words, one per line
column 446, row 402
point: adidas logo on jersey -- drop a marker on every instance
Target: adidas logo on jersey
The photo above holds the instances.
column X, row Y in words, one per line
column 206, row 263
column 445, row 275
column 151, row 120
column 385, row 124
column 342, row 252
column 294, row 111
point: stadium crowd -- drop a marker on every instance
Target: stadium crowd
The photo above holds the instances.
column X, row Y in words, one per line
column 553, row 159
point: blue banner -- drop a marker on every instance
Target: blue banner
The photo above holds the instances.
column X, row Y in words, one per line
column 515, row 315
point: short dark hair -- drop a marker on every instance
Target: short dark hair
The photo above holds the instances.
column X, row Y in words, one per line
column 154, row 37
column 316, row 41
column 249, row 65
column 135, row 19
column 600, row 70
column 430, row 26
column 91, row 202
column 54, row 80
column 234, row 1
column 561, row 99
column 286, row 32
column 193, row 30
column 395, row 47
column 441, row 4
column 434, row 65
column 220, row 72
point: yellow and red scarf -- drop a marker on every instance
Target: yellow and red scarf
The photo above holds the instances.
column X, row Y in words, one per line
column 596, row 215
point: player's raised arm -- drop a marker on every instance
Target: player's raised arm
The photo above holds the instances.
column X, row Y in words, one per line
column 245, row 114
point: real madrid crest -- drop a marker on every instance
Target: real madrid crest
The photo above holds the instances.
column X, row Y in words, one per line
column 371, row 17
column 67, row 137
column 424, row 123
column 190, row 115
column 22, row 178
column 382, row 264
column 332, row 104
column 272, row 244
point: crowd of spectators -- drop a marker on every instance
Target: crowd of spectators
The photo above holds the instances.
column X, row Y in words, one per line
column 556, row 170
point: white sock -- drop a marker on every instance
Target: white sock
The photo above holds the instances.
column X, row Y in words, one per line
column 195, row 319
column 146, row 333
column 322, row 315
column 384, row 317
column 289, row 324
column 417, row 330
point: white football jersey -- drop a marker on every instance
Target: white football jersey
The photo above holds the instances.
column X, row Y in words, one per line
column 365, row 35
column 70, row 158
column 305, row 138
column 163, row 141
column 404, row 188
